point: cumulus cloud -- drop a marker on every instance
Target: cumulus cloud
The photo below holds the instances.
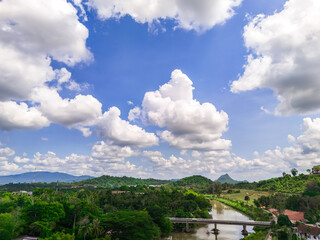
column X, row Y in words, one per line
column 303, row 153
column 27, row 25
column 20, row 116
column 190, row 124
column 5, row 165
column 285, row 56
column 26, row 52
column 69, row 112
column 111, row 127
column 199, row 15
column 111, row 153
column 105, row 159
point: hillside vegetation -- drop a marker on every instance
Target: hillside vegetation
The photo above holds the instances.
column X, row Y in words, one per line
column 195, row 182
column 287, row 183
column 114, row 182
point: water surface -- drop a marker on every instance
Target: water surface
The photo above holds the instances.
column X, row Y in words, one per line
column 227, row 232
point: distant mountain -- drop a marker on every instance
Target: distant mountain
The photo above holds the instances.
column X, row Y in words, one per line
column 46, row 177
column 227, row 179
column 109, row 181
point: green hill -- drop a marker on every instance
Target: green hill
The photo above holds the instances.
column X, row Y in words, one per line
column 195, row 182
column 109, row 181
column 227, row 179
column 287, row 183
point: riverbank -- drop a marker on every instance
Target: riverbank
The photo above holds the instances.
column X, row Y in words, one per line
column 255, row 213
column 219, row 211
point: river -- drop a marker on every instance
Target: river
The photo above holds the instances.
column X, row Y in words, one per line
column 227, row 232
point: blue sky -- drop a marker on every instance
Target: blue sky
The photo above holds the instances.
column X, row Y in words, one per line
column 162, row 89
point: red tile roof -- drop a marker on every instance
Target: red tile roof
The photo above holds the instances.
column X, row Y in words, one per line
column 293, row 215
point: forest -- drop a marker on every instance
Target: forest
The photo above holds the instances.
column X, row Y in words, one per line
column 97, row 214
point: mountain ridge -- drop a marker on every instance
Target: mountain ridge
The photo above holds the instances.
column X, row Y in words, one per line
column 42, row 176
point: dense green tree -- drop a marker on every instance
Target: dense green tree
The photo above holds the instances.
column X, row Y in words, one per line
column 158, row 216
column 282, row 235
column 215, row 188
column 43, row 211
column 294, row 202
column 128, row 225
column 59, row 236
column 294, row 172
column 283, row 220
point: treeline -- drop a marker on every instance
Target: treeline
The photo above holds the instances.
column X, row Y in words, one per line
column 104, row 181
column 197, row 183
column 286, row 184
column 97, row 214
column 115, row 182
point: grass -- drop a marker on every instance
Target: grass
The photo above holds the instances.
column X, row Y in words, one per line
column 250, row 210
column 245, row 192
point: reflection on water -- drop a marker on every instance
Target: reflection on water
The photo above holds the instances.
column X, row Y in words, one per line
column 227, row 232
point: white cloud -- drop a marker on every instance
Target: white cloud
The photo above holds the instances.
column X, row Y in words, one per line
column 26, row 25
column 6, row 167
column 6, row 152
column 20, row 116
column 190, row 125
column 104, row 159
column 83, row 109
column 111, row 153
column 285, row 56
column 309, row 141
column 302, row 154
column 30, row 37
column 111, row 127
column 18, row 159
column 199, row 15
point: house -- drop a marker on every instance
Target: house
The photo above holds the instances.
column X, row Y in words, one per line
column 307, row 231
column 294, row 216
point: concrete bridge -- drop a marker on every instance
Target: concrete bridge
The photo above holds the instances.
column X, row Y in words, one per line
column 187, row 221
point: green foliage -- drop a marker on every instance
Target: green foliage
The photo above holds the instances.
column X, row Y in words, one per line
column 59, row 236
column 256, row 236
column 294, row 171
column 43, row 211
column 287, row 183
column 5, row 234
column 10, row 224
column 158, row 216
column 114, row 182
column 196, row 182
column 215, row 188
column 127, row 225
column 84, row 212
column 283, row 220
column 312, row 188
column 282, row 235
